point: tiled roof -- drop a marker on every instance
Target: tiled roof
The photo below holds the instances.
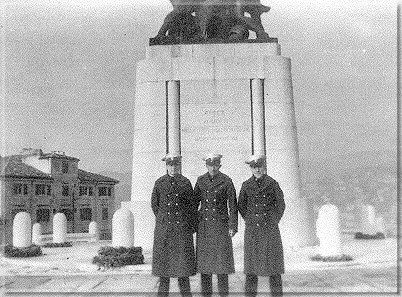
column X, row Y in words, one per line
column 57, row 156
column 12, row 166
column 89, row 176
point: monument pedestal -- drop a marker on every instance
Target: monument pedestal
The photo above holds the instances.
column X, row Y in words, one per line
column 234, row 99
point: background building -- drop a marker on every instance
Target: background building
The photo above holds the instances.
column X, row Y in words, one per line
column 43, row 184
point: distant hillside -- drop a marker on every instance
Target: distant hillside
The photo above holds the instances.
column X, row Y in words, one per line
column 339, row 165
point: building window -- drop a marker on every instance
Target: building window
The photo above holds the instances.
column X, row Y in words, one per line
column 65, row 190
column 85, row 214
column 83, row 191
column 41, row 189
column 86, row 191
column 109, row 191
column 42, row 215
column 68, row 213
column 103, row 191
column 105, row 213
column 49, row 190
column 64, row 167
column 20, row 189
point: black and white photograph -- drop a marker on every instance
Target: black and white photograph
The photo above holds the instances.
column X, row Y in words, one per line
column 200, row 148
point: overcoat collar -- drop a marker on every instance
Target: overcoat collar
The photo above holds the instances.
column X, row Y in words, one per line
column 178, row 178
column 218, row 179
column 265, row 182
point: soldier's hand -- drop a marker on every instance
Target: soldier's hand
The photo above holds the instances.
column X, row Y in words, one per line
column 232, row 232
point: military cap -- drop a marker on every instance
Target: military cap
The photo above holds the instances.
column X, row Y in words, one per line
column 256, row 160
column 212, row 159
column 172, row 159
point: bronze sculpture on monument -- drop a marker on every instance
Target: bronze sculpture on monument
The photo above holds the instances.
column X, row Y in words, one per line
column 197, row 21
column 206, row 86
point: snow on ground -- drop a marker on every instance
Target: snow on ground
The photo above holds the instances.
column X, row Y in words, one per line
column 77, row 259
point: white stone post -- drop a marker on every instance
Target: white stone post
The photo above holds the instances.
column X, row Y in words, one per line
column 257, row 99
column 367, row 220
column 94, row 231
column 59, row 228
column 328, row 231
column 22, row 230
column 123, row 228
column 380, row 225
column 37, row 234
column 173, row 116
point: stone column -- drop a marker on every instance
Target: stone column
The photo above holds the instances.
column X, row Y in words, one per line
column 37, row 234
column 59, row 228
column 328, row 231
column 173, row 116
column 93, row 231
column 257, row 99
column 123, row 228
column 22, row 230
column 283, row 153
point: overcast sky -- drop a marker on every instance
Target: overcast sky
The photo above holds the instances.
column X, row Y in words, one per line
column 70, row 74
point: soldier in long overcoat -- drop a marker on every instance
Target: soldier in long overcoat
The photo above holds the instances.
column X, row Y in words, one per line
column 216, row 195
column 261, row 205
column 175, row 208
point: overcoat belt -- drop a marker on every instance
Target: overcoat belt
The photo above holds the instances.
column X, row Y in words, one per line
column 174, row 206
column 217, row 213
column 261, row 204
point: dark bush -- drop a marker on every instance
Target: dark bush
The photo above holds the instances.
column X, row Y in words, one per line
column 61, row 244
column 378, row 235
column 31, row 251
column 111, row 257
column 341, row 258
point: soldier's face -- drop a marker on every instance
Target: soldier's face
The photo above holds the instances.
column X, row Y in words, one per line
column 173, row 169
column 257, row 171
column 213, row 169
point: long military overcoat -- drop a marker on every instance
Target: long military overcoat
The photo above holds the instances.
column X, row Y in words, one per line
column 261, row 205
column 217, row 213
column 174, row 206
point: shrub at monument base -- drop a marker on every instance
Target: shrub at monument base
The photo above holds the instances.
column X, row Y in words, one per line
column 58, row 244
column 378, row 235
column 111, row 257
column 341, row 258
column 31, row 251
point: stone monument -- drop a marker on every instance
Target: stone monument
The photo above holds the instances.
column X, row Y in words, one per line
column 205, row 86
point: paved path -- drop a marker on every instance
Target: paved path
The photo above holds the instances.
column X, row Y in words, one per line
column 339, row 282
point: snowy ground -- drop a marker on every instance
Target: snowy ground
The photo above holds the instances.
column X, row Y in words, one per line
column 77, row 259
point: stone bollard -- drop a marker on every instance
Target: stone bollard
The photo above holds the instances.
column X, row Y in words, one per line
column 123, row 228
column 328, row 231
column 94, row 231
column 367, row 220
column 59, row 228
column 37, row 234
column 380, row 225
column 22, row 236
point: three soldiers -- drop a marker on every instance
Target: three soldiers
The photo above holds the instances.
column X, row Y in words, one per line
column 211, row 211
